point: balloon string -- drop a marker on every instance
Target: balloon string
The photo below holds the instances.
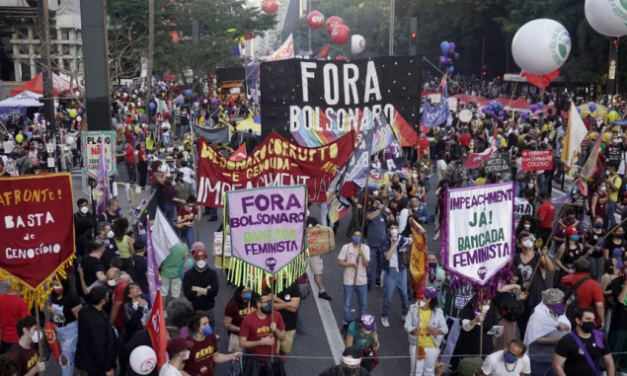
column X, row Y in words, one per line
column 443, row 73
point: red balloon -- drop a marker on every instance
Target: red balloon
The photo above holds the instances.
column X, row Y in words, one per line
column 332, row 22
column 269, row 6
column 315, row 20
column 340, row 34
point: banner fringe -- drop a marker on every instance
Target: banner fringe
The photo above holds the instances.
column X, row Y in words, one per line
column 242, row 273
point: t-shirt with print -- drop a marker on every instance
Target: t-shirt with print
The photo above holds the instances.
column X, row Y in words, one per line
column 27, row 357
column 349, row 254
column 289, row 318
column 200, row 362
column 254, row 328
column 236, row 313
column 118, row 296
column 576, row 363
column 494, row 365
column 360, row 342
column 188, row 215
column 62, row 308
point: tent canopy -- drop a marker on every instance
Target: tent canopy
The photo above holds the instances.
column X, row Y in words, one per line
column 36, row 85
column 25, row 99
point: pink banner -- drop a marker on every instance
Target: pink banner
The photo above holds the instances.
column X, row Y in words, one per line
column 267, row 225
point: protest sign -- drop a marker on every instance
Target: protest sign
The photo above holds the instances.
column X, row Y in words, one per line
column 91, row 144
column 498, row 164
column 317, row 102
column 537, row 160
column 478, row 234
column 219, row 244
column 267, row 231
column 320, row 240
column 37, row 227
column 275, row 162
column 523, row 207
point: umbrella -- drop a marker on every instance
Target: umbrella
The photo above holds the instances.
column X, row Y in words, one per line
column 599, row 111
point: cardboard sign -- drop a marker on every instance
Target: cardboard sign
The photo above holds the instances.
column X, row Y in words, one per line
column 320, row 240
column 217, row 245
column 498, row 163
column 537, row 160
column 90, row 145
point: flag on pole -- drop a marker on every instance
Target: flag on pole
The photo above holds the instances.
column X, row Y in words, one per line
column 286, row 51
column 418, row 258
column 154, row 279
column 102, row 179
column 434, row 116
column 157, row 331
column 588, row 169
column 324, row 51
column 239, row 154
column 358, row 166
column 575, row 134
column 164, row 239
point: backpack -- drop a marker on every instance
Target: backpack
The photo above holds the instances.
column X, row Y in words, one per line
column 571, row 301
column 509, row 307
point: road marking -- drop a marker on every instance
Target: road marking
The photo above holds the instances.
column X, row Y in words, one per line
column 336, row 343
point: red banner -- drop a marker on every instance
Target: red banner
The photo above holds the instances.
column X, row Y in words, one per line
column 537, row 160
column 276, row 162
column 474, row 160
column 37, row 229
column 156, row 330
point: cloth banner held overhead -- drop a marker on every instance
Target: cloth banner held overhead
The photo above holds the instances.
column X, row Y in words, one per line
column 267, row 231
column 286, row 51
column 220, row 135
column 317, row 102
column 575, row 134
column 418, row 259
column 478, row 234
column 36, row 232
column 275, row 162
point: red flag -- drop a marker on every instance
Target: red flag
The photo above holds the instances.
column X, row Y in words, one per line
column 239, row 154
column 156, row 329
column 53, row 342
column 541, row 80
column 324, row 51
column 474, row 160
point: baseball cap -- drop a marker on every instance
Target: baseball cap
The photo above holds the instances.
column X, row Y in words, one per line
column 201, row 253
column 367, row 321
column 178, row 345
column 430, row 292
column 572, row 230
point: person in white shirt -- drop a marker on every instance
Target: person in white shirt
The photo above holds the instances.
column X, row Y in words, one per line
column 188, row 175
column 441, row 166
column 354, row 258
column 178, row 352
column 8, row 145
column 510, row 362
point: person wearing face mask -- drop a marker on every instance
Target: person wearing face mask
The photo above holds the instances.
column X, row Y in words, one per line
column 588, row 291
column 615, row 248
column 65, row 305
column 241, row 304
column 91, row 270
column 354, row 257
column 476, row 317
column 594, row 246
column 526, row 224
column 362, row 335
column 105, row 235
column 178, row 350
column 598, row 203
column 395, row 247
column 617, row 336
column 580, row 352
column 350, row 364
column 25, row 350
column 83, row 214
column 259, row 335
column 436, row 275
column 568, row 220
column 377, row 217
column 613, row 183
column 426, row 327
column 569, row 252
column 545, row 217
column 186, row 217
column 112, row 213
column 201, row 284
column 118, row 286
column 509, row 362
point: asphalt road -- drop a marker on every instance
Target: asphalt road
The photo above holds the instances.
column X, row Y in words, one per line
column 321, row 346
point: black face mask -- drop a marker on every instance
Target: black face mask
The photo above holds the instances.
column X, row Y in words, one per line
column 347, row 371
column 587, row 327
column 267, row 309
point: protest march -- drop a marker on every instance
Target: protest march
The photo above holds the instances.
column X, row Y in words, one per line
column 352, row 213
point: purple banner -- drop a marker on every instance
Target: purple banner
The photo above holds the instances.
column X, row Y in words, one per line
column 267, row 225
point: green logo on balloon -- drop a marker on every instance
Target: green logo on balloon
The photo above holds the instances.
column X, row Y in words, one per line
column 561, row 44
column 623, row 3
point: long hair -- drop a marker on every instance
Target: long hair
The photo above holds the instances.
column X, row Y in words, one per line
column 119, row 228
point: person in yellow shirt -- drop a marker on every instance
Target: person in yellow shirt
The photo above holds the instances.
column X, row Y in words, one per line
column 426, row 323
column 481, row 180
column 614, row 183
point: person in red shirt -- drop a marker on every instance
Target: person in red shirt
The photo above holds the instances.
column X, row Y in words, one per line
column 25, row 349
column 464, row 139
column 545, row 217
column 13, row 310
column 130, row 161
column 589, row 293
column 260, row 333
column 142, row 165
column 118, row 285
column 204, row 351
column 240, row 305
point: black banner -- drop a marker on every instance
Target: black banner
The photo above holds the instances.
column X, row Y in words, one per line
column 499, row 164
column 315, row 102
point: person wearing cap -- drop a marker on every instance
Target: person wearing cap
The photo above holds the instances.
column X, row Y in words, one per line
column 546, row 326
column 569, row 252
column 350, row 364
column 470, row 366
column 509, row 362
column 589, row 294
column 426, row 327
column 362, row 335
column 531, row 283
column 545, row 217
column 201, row 284
column 593, row 241
column 569, row 220
column 203, row 352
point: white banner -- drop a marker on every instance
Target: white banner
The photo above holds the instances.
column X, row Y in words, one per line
column 523, row 207
column 478, row 231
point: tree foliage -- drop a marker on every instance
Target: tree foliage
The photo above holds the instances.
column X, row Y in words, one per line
column 222, row 23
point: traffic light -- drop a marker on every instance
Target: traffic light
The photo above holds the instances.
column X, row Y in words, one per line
column 615, row 42
column 414, row 38
column 485, row 73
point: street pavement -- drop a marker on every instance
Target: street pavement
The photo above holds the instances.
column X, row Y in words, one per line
column 322, row 345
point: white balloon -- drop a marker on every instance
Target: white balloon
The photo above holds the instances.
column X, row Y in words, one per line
column 607, row 17
column 143, row 360
column 358, row 44
column 69, row 140
column 541, row 46
column 465, row 116
column 78, row 118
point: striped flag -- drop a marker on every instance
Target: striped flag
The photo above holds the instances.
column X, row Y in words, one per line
column 154, row 279
column 575, row 134
column 588, row 169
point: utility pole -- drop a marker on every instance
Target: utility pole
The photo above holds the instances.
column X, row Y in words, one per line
column 48, row 90
column 151, row 52
column 413, row 36
column 610, row 87
column 392, row 10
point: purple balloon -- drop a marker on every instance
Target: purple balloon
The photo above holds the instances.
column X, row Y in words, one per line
column 443, row 60
column 484, row 110
column 214, row 101
column 501, row 113
column 534, row 108
column 451, row 46
column 524, row 116
column 80, row 111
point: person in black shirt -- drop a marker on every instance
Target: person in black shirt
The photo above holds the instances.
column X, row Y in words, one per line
column 91, row 269
column 64, row 308
column 112, row 213
column 83, row 218
column 287, row 302
column 138, row 266
column 569, row 358
column 617, row 337
column 201, row 284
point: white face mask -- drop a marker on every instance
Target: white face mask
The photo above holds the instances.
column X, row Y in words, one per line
column 35, row 336
column 530, row 185
column 110, row 234
column 112, row 282
column 84, row 209
column 485, row 308
column 394, row 232
column 375, row 193
column 603, row 189
column 527, row 226
column 415, row 176
column 308, row 212
column 422, row 304
column 201, row 264
column 527, row 243
column 185, row 354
